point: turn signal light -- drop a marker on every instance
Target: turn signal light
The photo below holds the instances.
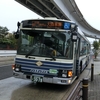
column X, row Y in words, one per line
column 13, row 66
column 70, row 74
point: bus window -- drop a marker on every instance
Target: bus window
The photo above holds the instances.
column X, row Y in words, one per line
column 83, row 47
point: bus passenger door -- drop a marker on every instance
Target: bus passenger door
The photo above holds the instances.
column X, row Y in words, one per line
column 76, row 57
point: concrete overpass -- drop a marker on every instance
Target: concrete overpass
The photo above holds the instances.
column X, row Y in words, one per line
column 64, row 9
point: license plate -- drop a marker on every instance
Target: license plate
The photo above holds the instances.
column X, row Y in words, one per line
column 36, row 79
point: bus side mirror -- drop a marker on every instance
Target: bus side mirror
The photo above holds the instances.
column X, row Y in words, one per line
column 74, row 37
column 74, row 32
column 16, row 35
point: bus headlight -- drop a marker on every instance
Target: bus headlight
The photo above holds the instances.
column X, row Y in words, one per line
column 64, row 73
column 16, row 67
column 69, row 73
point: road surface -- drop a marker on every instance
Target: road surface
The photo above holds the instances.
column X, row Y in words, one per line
column 18, row 89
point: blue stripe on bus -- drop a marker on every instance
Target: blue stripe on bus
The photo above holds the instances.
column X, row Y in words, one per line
column 44, row 62
column 57, row 66
column 28, row 65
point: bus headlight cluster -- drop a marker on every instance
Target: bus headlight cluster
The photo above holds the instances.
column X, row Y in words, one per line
column 64, row 73
column 16, row 67
column 69, row 73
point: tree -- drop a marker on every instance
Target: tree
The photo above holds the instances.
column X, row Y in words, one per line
column 12, row 40
column 96, row 47
column 99, row 41
column 7, row 40
column 3, row 31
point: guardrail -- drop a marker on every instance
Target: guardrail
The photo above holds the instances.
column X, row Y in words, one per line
column 8, row 52
column 74, row 95
column 80, row 91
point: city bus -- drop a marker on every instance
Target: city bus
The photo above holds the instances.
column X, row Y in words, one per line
column 50, row 50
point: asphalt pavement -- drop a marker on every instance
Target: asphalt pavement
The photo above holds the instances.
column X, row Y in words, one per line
column 6, row 66
column 93, row 88
column 6, row 71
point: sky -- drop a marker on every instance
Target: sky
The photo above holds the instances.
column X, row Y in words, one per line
column 90, row 10
column 11, row 12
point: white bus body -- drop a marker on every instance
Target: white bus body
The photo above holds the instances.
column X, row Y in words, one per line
column 50, row 50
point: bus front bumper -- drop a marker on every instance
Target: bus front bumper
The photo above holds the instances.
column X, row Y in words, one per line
column 54, row 80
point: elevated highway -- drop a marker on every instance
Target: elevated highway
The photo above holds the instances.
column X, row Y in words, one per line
column 64, row 9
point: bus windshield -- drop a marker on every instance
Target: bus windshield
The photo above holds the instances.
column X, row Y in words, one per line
column 45, row 43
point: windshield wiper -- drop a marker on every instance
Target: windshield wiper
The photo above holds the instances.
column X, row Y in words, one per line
column 31, row 57
column 29, row 53
column 53, row 58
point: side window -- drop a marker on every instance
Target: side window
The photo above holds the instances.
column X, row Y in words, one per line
column 83, row 47
column 87, row 48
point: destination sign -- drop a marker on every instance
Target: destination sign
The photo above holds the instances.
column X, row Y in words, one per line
column 48, row 24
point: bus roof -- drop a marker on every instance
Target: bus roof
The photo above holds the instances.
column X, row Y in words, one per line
column 50, row 18
column 82, row 34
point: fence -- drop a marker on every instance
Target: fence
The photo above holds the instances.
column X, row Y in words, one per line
column 80, row 91
column 8, row 52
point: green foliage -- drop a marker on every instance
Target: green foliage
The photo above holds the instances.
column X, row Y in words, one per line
column 5, row 41
column 95, row 54
column 99, row 41
column 7, row 38
column 96, row 47
column 12, row 40
column 3, row 31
